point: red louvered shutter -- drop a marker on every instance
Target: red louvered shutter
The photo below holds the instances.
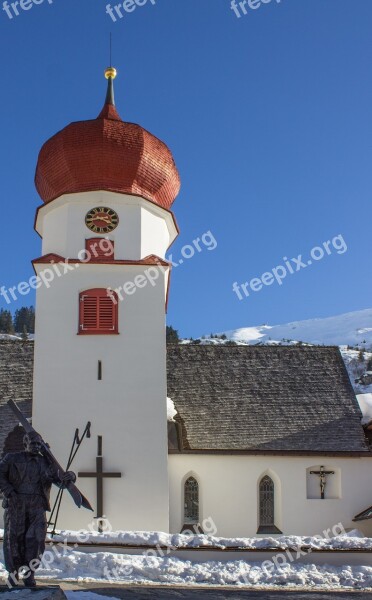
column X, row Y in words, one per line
column 106, row 314
column 98, row 312
column 99, row 249
column 89, row 321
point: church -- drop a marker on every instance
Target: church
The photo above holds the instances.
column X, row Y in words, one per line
column 263, row 440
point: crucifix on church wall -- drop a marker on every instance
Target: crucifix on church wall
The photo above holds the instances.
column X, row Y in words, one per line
column 322, row 474
column 99, row 475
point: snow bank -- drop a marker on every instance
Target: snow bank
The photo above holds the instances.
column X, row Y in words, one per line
column 103, row 567
column 353, row 540
column 68, row 564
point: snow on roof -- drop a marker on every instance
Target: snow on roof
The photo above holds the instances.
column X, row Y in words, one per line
column 171, row 410
column 365, row 403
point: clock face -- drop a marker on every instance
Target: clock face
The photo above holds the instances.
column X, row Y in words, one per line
column 102, row 220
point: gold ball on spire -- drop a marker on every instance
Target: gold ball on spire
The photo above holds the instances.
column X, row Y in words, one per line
column 110, row 72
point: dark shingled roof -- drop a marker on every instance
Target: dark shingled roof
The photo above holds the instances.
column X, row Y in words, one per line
column 264, row 398
column 234, row 398
column 16, row 365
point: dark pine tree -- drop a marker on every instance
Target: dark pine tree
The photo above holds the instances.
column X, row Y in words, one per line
column 24, row 320
column 6, row 321
column 172, row 335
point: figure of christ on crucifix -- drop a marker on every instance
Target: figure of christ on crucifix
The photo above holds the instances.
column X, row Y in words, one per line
column 99, row 475
column 322, row 474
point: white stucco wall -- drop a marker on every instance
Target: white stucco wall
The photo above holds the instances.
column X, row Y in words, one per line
column 229, row 492
column 128, row 408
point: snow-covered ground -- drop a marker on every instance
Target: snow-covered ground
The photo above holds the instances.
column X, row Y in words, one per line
column 346, row 541
column 120, row 568
column 352, row 540
column 65, row 563
column 69, row 564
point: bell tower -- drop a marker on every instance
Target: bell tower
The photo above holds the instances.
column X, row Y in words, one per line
column 107, row 188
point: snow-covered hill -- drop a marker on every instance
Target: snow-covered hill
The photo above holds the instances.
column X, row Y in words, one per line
column 350, row 329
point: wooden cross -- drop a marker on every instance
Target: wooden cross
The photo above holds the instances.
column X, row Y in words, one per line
column 99, row 475
column 322, row 474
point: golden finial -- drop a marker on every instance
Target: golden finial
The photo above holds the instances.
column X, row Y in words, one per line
column 110, row 72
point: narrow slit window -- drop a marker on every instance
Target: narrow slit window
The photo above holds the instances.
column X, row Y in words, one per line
column 99, row 370
column 191, row 516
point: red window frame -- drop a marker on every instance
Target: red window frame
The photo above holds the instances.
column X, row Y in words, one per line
column 98, row 312
column 95, row 252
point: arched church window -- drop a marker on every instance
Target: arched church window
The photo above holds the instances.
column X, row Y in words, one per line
column 98, row 312
column 267, row 506
column 191, row 501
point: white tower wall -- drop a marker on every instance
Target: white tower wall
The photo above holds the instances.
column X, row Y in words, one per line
column 144, row 228
column 128, row 407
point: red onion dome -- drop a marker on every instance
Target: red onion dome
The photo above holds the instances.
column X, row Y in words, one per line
column 107, row 154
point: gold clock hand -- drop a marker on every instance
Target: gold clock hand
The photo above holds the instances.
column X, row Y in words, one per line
column 104, row 219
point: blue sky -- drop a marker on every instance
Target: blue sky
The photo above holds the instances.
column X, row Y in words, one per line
column 269, row 120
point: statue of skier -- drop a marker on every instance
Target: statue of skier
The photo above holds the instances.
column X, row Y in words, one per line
column 26, row 479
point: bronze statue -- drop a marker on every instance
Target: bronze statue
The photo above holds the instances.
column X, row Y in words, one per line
column 26, row 479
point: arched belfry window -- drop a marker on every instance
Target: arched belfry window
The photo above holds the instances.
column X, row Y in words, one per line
column 98, row 312
column 191, row 516
column 266, row 495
